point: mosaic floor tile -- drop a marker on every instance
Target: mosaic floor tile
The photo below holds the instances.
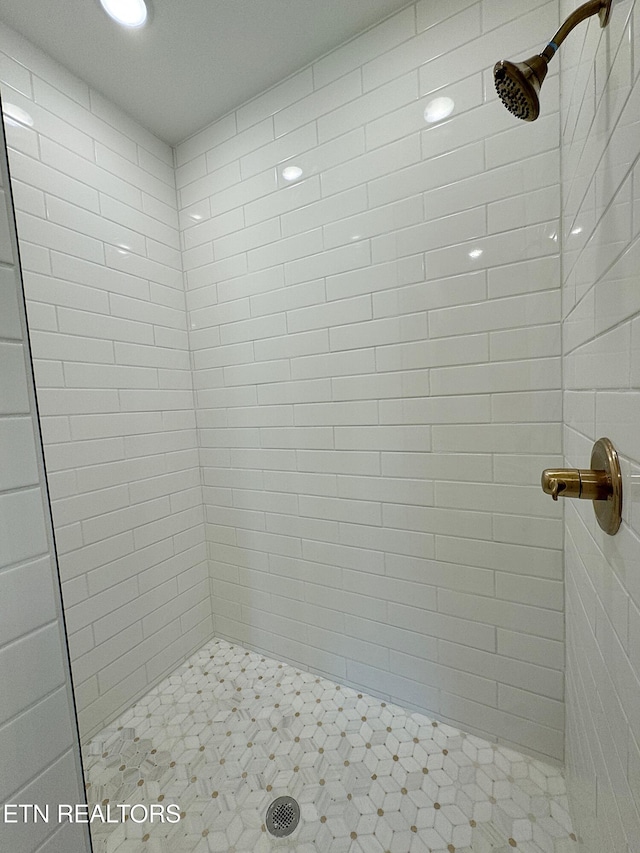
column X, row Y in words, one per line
column 231, row 730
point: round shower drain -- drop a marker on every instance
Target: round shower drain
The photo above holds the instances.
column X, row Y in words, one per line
column 283, row 815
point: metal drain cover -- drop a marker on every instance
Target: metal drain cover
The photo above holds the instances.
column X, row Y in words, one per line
column 283, row 816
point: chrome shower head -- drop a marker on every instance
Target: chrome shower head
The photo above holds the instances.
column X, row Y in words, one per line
column 518, row 85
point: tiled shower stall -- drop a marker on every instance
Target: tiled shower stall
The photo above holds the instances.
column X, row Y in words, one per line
column 309, row 417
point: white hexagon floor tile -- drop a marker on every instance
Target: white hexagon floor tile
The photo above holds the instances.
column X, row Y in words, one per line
column 230, row 731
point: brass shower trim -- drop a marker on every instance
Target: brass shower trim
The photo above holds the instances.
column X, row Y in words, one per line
column 518, row 84
column 602, row 484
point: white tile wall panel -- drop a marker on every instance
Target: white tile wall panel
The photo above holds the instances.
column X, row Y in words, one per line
column 426, row 378
column 599, row 153
column 38, row 737
column 102, row 202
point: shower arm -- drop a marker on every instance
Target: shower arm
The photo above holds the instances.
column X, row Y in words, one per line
column 592, row 7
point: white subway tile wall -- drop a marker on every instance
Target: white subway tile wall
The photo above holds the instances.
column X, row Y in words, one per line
column 374, row 313
column 98, row 228
column 601, row 306
column 39, row 752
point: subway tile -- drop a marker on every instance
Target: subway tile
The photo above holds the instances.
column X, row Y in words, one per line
column 373, row 164
column 437, row 574
column 498, row 438
column 240, row 144
column 432, row 410
column 15, row 585
column 377, row 277
column 440, row 466
column 25, row 752
column 446, row 169
column 286, row 249
column 522, row 343
column 265, row 205
column 16, row 75
column 532, row 620
column 327, row 263
column 312, row 414
column 84, row 176
column 437, row 40
column 23, row 526
column 324, row 211
column 534, row 374
column 395, row 30
column 55, row 128
column 54, row 236
column 414, row 383
column 547, row 712
column 373, row 104
column 288, row 299
column 319, row 102
column 53, row 181
column 75, row 269
column 274, row 99
column 526, row 243
column 13, row 380
column 382, row 220
column 468, row 349
column 21, row 138
column 490, row 315
column 136, row 221
column 440, row 520
column 540, row 562
column 205, row 139
column 18, row 465
column 535, row 591
column 329, row 314
column 39, row 653
column 455, row 681
column 470, row 632
column 133, row 174
column 28, row 198
column 529, row 407
column 462, row 289
column 466, row 55
column 285, row 147
column 427, row 15
column 77, row 116
column 212, row 183
column 396, row 123
column 543, row 739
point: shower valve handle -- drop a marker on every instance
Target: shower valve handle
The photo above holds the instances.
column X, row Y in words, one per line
column 581, row 483
column 602, row 484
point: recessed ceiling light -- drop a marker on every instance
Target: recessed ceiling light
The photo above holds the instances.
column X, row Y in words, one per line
column 129, row 13
column 438, row 108
column 16, row 117
column 291, row 173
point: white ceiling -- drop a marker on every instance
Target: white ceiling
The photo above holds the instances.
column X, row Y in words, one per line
column 196, row 59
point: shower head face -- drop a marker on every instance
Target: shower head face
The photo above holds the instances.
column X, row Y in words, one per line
column 518, row 86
